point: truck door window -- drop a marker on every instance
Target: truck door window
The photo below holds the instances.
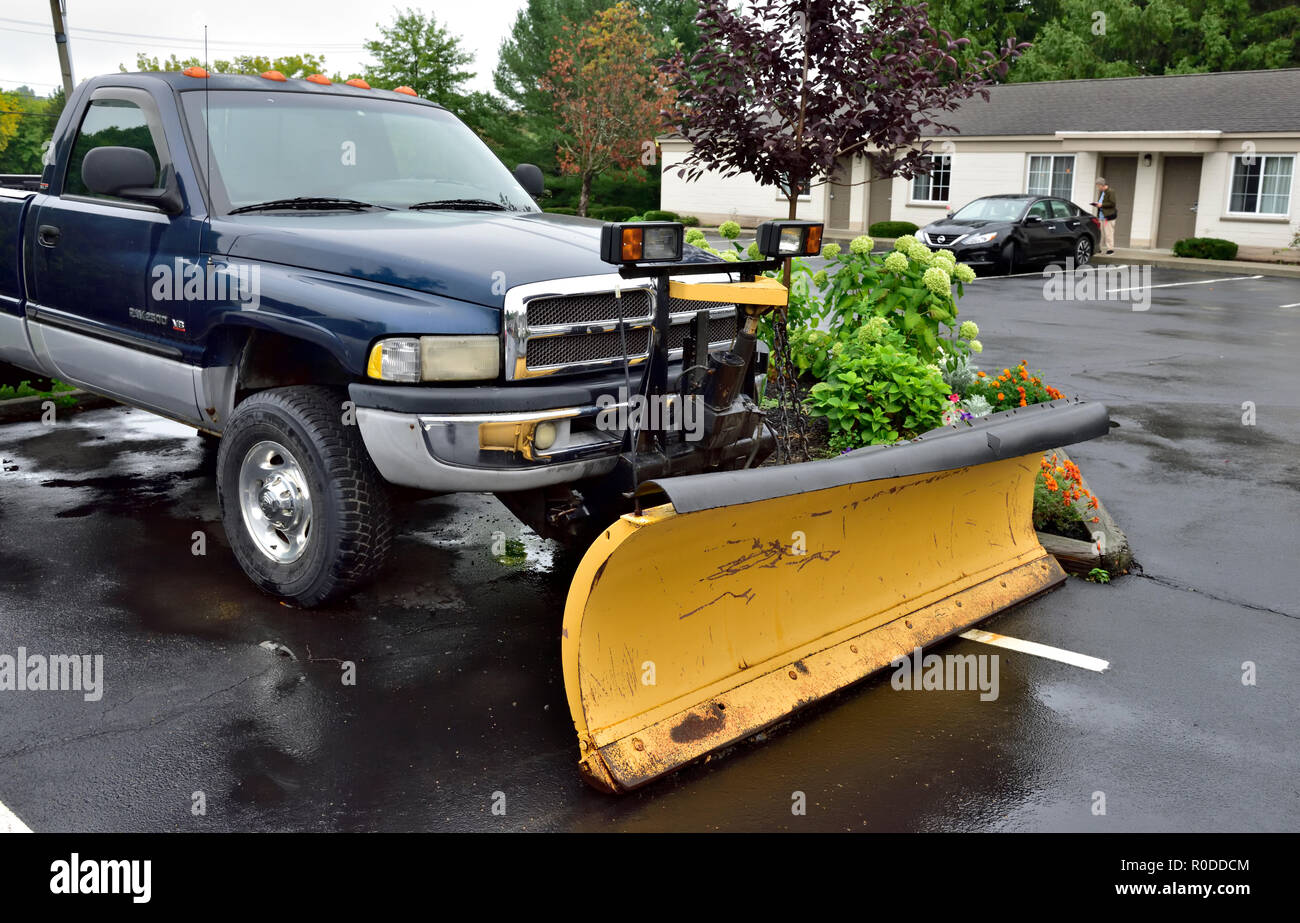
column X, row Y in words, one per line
column 108, row 123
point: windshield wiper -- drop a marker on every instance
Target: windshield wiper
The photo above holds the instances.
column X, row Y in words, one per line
column 466, row 204
column 306, row 202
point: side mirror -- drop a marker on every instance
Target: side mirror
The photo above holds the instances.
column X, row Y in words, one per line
column 530, row 177
column 1034, row 219
column 128, row 173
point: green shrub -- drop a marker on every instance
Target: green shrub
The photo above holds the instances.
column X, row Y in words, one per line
column 561, row 210
column 658, row 214
column 877, row 392
column 692, row 222
column 612, row 212
column 1206, row 248
column 892, row 228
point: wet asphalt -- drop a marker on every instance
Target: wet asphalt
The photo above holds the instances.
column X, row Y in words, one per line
column 458, row 692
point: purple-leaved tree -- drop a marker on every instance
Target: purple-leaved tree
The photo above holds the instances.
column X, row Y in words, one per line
column 781, row 89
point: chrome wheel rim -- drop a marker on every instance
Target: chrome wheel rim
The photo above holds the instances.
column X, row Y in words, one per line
column 1083, row 252
column 275, row 502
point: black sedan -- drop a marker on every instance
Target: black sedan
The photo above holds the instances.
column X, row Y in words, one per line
column 1007, row 231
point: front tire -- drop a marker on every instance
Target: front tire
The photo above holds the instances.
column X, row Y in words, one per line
column 1083, row 251
column 305, row 510
column 1011, row 256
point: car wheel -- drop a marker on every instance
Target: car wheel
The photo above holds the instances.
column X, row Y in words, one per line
column 305, row 511
column 1083, row 251
column 1012, row 256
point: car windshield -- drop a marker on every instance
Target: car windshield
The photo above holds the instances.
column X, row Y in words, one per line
column 268, row 146
column 992, row 210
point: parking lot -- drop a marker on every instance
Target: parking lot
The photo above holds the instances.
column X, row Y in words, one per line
column 458, row 692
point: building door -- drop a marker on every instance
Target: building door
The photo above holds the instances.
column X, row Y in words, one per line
column 1121, row 173
column 840, row 193
column 878, row 204
column 1179, row 190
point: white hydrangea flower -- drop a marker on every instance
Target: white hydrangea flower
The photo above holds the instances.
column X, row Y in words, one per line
column 936, row 279
column 968, row 330
column 896, row 262
column 964, row 273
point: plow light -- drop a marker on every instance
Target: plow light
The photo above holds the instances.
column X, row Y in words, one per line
column 779, row 239
column 642, row 242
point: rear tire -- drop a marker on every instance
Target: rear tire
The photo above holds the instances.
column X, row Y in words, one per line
column 305, row 510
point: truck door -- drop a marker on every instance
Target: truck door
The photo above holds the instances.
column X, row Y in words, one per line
column 109, row 311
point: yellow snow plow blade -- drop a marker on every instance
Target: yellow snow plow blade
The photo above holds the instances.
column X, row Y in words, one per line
column 753, row 593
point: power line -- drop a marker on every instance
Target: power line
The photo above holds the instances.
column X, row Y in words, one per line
column 80, row 35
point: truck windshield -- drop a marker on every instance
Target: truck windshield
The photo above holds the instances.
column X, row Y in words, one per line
column 279, row 145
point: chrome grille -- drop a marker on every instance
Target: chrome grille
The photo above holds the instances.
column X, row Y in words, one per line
column 556, row 328
column 590, row 347
column 589, row 309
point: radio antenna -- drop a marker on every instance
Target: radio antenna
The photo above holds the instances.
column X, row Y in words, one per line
column 207, row 129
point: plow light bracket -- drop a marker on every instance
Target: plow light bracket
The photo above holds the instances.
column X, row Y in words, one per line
column 780, row 239
column 641, row 242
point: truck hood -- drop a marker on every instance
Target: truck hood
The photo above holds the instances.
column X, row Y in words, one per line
column 469, row 256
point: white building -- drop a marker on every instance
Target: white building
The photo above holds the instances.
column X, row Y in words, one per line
column 1196, row 155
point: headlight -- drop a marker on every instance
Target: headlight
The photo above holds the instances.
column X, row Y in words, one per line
column 435, row 358
column 980, row 238
column 790, row 238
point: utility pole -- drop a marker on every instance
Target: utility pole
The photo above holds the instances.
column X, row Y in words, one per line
column 59, row 13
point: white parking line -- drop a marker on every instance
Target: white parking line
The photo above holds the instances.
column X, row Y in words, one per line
column 1038, row 650
column 1176, row 284
column 9, row 822
column 1296, row 305
column 1042, row 273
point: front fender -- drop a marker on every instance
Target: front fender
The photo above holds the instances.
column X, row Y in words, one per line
column 340, row 314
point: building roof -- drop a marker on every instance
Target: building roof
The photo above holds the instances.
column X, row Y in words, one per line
column 1233, row 101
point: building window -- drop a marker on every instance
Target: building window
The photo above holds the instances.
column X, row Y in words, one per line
column 1261, row 184
column 1051, row 174
column 933, row 186
column 783, row 191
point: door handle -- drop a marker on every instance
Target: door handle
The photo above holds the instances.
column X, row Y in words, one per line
column 48, row 235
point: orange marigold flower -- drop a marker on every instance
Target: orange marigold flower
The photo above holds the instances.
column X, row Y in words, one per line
column 1096, row 519
column 1050, row 482
column 1024, row 403
column 980, row 375
column 1001, row 396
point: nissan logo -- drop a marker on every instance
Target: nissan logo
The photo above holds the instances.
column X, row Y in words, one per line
column 941, row 238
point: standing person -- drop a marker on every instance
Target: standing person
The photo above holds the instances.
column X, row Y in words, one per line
column 1107, row 212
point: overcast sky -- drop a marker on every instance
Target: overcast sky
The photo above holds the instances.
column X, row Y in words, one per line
column 334, row 28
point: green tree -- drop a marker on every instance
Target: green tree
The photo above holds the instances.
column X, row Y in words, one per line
column 989, row 23
column 417, row 52
column 1124, row 38
column 35, row 118
column 294, row 65
column 608, row 97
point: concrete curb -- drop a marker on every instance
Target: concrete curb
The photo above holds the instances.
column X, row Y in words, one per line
column 1229, row 267
column 1079, row 557
column 29, row 409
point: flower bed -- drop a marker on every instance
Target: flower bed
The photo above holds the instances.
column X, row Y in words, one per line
column 881, row 357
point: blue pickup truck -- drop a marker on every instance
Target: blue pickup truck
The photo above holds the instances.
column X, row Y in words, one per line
column 350, row 290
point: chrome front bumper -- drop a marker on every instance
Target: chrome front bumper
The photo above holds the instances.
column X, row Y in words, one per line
column 446, row 452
